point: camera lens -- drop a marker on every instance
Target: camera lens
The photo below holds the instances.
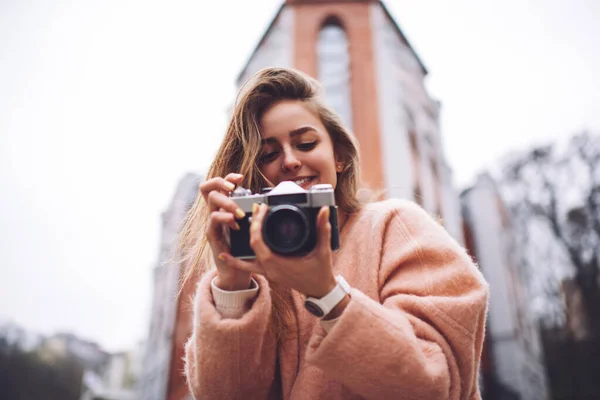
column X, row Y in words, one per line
column 285, row 229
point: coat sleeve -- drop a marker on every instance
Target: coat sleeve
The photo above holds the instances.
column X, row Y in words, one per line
column 423, row 338
column 230, row 358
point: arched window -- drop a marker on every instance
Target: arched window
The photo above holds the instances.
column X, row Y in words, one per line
column 334, row 68
column 416, row 159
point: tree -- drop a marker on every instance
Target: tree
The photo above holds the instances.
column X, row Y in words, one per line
column 553, row 194
column 24, row 375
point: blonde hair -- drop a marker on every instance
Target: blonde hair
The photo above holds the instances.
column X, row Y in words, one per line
column 239, row 152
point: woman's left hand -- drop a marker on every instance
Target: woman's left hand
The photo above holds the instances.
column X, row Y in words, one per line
column 311, row 275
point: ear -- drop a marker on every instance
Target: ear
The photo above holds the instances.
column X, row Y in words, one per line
column 339, row 164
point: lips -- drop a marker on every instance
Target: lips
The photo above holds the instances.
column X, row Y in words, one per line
column 305, row 182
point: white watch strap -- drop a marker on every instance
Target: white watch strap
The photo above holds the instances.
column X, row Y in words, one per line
column 332, row 299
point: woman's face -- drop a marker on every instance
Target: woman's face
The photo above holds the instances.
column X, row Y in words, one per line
column 296, row 147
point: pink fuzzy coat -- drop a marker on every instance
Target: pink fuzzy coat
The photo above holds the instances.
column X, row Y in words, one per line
column 413, row 329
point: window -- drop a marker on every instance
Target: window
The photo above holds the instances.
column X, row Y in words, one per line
column 416, row 158
column 436, row 187
column 334, row 68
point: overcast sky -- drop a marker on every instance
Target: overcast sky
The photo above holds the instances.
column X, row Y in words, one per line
column 105, row 105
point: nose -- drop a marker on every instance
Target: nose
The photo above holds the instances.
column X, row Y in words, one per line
column 290, row 162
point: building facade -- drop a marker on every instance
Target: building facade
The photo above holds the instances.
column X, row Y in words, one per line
column 162, row 369
column 514, row 362
column 117, row 381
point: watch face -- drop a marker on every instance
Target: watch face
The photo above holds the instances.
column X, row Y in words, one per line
column 313, row 308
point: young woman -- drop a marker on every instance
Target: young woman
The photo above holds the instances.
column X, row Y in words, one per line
column 404, row 305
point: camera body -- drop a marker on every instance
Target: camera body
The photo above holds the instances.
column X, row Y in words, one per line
column 290, row 226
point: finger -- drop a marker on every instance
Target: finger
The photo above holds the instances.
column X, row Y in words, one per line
column 243, row 265
column 234, row 178
column 218, row 184
column 324, row 231
column 223, row 218
column 215, row 233
column 218, row 200
column 257, row 243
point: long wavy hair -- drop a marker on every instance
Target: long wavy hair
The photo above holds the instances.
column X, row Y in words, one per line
column 239, row 152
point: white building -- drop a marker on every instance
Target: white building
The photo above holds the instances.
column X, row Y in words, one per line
column 514, row 352
column 162, row 359
column 65, row 345
column 117, row 381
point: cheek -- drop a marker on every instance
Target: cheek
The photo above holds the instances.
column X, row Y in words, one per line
column 328, row 160
column 269, row 171
column 326, row 163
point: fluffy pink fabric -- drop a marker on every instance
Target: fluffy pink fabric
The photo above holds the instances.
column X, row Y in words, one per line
column 413, row 329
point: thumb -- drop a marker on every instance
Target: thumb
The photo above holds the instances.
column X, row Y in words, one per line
column 324, row 231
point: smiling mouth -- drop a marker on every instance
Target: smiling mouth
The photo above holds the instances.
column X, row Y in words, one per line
column 306, row 182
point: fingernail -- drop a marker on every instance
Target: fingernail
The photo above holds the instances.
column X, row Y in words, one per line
column 229, row 186
column 239, row 213
column 327, row 213
column 237, row 227
column 254, row 208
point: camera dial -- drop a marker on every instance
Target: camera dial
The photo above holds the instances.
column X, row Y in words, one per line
column 240, row 192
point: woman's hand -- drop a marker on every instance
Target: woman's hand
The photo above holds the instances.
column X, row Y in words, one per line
column 223, row 213
column 311, row 275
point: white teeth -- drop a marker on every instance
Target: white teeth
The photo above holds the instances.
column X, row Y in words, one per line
column 301, row 181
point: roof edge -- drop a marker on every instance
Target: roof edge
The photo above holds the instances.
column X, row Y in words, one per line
column 278, row 13
column 403, row 37
column 260, row 42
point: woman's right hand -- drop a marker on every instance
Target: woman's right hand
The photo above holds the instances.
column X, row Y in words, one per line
column 223, row 213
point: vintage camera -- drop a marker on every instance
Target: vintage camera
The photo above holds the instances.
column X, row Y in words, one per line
column 290, row 226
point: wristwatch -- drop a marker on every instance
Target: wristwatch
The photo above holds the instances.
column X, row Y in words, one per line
column 323, row 306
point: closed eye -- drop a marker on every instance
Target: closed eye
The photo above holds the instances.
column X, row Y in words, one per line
column 307, row 146
column 267, row 158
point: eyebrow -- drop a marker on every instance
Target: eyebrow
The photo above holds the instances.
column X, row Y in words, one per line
column 295, row 132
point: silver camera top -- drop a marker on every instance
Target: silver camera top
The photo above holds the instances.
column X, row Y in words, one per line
column 286, row 192
column 321, row 187
column 240, row 192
